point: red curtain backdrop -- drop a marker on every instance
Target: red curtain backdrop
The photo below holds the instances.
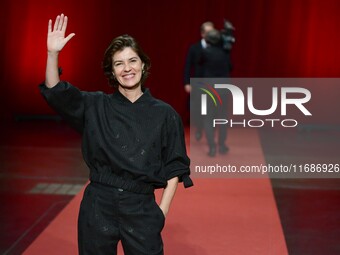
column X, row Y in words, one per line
column 274, row 38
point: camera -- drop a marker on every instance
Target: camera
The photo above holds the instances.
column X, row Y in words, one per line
column 223, row 38
column 227, row 35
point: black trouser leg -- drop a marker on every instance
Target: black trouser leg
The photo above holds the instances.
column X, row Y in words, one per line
column 108, row 214
column 209, row 130
column 141, row 224
column 222, row 135
column 98, row 231
column 222, row 113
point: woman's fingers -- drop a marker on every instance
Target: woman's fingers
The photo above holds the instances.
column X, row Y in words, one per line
column 64, row 24
column 61, row 22
column 69, row 37
column 56, row 37
column 49, row 26
column 56, row 23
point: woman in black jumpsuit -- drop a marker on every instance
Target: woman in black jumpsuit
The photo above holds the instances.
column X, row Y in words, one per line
column 132, row 144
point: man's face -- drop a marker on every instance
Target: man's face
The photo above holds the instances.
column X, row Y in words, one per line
column 207, row 28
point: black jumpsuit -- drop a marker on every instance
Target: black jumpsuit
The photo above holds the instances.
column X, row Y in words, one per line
column 130, row 149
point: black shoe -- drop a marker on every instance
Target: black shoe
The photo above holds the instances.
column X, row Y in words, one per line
column 223, row 149
column 212, row 151
column 198, row 135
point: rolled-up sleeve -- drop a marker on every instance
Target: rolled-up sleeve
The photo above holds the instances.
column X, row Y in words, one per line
column 66, row 100
column 177, row 163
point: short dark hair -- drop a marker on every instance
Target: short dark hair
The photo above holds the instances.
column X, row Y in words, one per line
column 118, row 44
column 213, row 37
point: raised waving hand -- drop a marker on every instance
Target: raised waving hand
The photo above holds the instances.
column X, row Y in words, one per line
column 56, row 39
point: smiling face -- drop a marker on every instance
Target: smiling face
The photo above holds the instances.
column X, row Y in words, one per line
column 127, row 68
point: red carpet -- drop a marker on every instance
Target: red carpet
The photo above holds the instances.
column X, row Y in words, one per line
column 217, row 216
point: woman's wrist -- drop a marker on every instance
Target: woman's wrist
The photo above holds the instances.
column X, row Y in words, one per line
column 165, row 210
column 52, row 53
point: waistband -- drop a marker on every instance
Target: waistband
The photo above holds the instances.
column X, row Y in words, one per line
column 119, row 182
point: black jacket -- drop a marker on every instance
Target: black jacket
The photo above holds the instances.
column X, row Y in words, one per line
column 215, row 62
column 142, row 142
column 193, row 64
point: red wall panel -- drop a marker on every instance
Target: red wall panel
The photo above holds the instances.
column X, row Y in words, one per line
column 278, row 38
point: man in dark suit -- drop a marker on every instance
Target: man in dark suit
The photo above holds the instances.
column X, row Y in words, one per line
column 193, row 64
column 193, row 68
column 216, row 64
column 208, row 58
